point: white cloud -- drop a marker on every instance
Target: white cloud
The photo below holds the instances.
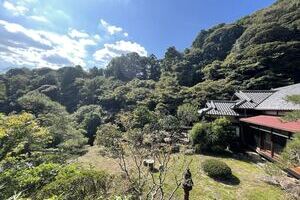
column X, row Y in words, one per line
column 125, row 34
column 17, row 28
column 110, row 51
column 15, row 9
column 97, row 37
column 111, row 29
column 59, row 46
column 39, row 18
column 31, row 57
column 78, row 34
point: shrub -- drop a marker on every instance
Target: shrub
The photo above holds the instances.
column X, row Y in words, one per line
column 216, row 169
column 215, row 136
column 198, row 133
column 187, row 114
column 74, row 182
column 198, row 148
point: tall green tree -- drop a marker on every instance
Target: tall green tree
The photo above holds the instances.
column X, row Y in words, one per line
column 89, row 118
column 54, row 116
column 21, row 134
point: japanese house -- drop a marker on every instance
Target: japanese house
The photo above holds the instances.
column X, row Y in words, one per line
column 256, row 115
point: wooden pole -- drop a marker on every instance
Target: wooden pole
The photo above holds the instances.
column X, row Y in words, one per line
column 272, row 144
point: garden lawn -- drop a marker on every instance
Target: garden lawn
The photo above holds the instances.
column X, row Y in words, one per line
column 246, row 185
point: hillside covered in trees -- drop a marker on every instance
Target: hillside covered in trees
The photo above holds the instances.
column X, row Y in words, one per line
column 67, row 106
column 258, row 51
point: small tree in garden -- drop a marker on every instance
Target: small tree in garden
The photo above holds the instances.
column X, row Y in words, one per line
column 213, row 136
column 131, row 151
column 187, row 114
column 291, row 153
column 169, row 123
column 221, row 133
column 198, row 136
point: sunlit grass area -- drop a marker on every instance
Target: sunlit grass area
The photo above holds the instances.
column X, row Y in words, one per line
column 247, row 183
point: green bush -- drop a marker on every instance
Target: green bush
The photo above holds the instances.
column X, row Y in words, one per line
column 213, row 136
column 74, row 182
column 216, row 169
column 198, row 133
column 28, row 180
column 198, row 148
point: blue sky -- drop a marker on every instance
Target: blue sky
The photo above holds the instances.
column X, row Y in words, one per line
column 56, row 33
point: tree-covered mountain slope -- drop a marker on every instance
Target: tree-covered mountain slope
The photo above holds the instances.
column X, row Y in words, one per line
column 259, row 51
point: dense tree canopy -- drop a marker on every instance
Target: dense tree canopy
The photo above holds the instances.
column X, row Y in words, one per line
column 49, row 115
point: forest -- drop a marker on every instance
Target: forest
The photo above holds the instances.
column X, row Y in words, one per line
column 49, row 116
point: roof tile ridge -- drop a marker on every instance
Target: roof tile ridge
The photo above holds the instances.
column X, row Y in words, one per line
column 265, row 99
column 271, row 91
column 221, row 100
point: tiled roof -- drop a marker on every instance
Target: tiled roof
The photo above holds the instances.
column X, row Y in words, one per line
column 249, row 99
column 219, row 107
column 277, row 101
column 273, row 122
column 274, row 99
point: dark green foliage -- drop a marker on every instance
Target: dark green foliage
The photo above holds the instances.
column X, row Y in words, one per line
column 69, row 86
column 215, row 136
column 260, row 51
column 198, row 133
column 130, row 66
column 140, row 95
column 294, row 98
column 291, row 153
column 89, row 118
column 187, row 114
column 73, row 182
column 54, row 116
column 295, row 115
column 28, row 180
column 32, row 179
column 216, row 169
column 109, row 136
column 169, row 123
column 38, row 103
column 142, row 116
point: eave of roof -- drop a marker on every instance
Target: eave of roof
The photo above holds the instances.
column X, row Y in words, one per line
column 220, row 108
column 273, row 122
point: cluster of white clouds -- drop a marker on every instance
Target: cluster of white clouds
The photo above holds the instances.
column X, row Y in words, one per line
column 111, row 29
column 118, row 48
column 23, row 46
column 15, row 9
column 52, row 47
column 19, row 9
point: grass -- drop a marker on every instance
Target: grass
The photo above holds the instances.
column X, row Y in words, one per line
column 247, row 185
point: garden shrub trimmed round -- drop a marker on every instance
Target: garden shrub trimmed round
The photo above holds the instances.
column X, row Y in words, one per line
column 216, row 169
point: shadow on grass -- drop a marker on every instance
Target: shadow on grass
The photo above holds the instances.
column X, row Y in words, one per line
column 241, row 156
column 232, row 180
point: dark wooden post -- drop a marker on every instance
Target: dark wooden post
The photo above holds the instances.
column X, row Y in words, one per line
column 261, row 140
column 187, row 184
column 272, row 144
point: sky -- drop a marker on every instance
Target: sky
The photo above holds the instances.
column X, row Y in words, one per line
column 57, row 33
